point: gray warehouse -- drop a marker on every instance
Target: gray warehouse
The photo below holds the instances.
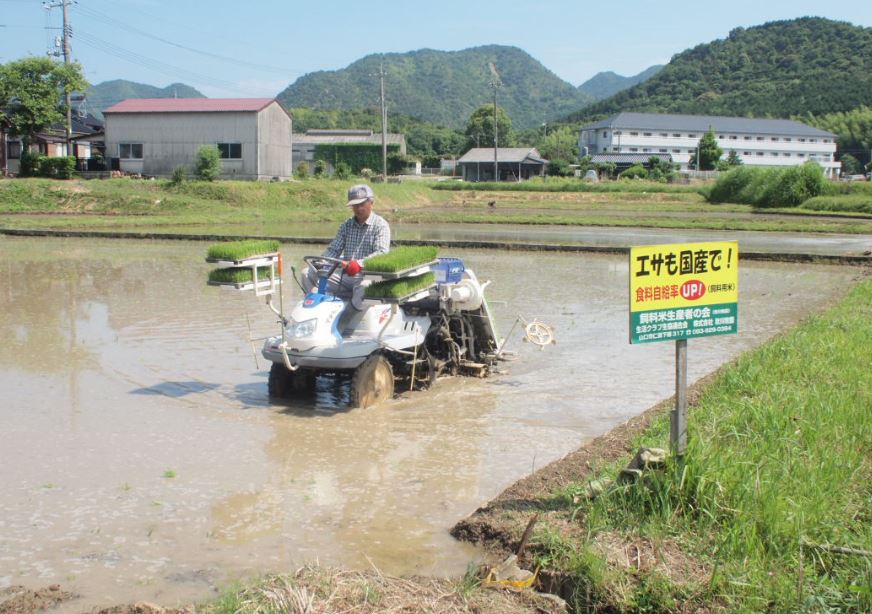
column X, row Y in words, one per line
column 153, row 136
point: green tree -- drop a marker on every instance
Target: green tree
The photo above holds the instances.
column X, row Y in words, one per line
column 660, row 169
column 850, row 164
column 480, row 128
column 302, row 171
column 32, row 93
column 560, row 144
column 208, row 164
column 709, row 153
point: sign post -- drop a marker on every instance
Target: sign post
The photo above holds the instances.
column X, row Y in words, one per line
column 679, row 292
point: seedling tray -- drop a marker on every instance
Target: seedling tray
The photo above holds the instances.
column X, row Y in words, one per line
column 258, row 260
column 244, row 285
column 412, row 296
column 418, row 269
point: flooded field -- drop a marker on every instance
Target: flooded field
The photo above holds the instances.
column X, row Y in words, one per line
column 140, row 457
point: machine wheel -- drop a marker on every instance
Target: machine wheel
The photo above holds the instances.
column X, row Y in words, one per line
column 373, row 382
column 283, row 384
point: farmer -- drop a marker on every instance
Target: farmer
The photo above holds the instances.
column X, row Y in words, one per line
column 363, row 235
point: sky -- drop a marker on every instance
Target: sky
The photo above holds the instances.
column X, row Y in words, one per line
column 256, row 48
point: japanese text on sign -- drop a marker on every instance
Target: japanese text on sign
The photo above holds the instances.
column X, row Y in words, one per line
column 683, row 290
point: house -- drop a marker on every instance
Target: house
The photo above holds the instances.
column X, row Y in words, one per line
column 304, row 145
column 512, row 163
column 86, row 136
column 623, row 161
column 153, row 136
column 757, row 142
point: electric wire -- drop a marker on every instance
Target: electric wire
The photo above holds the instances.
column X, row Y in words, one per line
column 97, row 15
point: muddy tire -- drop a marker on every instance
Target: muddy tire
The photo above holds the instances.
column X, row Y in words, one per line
column 372, row 382
column 284, row 384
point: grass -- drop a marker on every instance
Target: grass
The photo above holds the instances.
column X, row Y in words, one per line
column 240, row 250
column 169, row 473
column 398, row 288
column 555, row 184
column 845, row 203
column 278, row 209
column 778, row 459
column 400, row 259
column 238, row 275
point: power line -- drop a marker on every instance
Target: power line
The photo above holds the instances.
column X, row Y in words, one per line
column 93, row 14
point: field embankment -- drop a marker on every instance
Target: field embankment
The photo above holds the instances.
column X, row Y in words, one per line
column 270, row 209
column 770, row 510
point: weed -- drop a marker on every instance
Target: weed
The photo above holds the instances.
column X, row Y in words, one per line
column 169, row 473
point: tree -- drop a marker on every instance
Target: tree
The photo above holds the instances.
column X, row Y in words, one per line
column 32, row 92
column 208, row 165
column 850, row 164
column 480, row 128
column 709, row 153
column 560, row 144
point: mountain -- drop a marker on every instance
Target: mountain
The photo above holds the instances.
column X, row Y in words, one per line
column 779, row 69
column 605, row 84
column 105, row 94
column 443, row 87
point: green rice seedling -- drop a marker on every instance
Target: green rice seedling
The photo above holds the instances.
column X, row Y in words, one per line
column 398, row 288
column 169, row 473
column 240, row 250
column 401, row 258
column 238, row 275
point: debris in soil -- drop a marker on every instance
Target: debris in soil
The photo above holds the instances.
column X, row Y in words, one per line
column 319, row 589
column 20, row 600
column 144, row 607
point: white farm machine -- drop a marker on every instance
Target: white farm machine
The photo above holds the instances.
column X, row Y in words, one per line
column 427, row 320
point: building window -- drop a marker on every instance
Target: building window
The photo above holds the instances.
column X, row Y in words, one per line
column 605, row 134
column 721, row 136
column 618, row 132
column 230, row 151
column 746, row 153
column 759, row 138
column 616, row 148
column 800, row 155
column 826, row 140
column 13, row 150
column 812, row 140
column 733, row 137
column 646, row 134
column 634, row 149
column 130, row 151
column 747, row 138
column 775, row 154
column 787, row 138
column 802, row 140
column 645, row 150
column 662, row 151
column 676, row 151
column 691, row 136
column 786, row 155
column 759, row 153
column 774, row 138
column 664, row 134
column 634, row 134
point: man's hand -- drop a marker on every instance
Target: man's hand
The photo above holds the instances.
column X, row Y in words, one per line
column 352, row 267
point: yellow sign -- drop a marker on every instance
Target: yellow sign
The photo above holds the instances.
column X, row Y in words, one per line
column 683, row 290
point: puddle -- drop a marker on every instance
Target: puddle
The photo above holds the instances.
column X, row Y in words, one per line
column 141, row 457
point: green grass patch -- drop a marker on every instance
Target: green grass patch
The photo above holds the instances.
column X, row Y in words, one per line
column 398, row 288
column 401, row 258
column 240, row 250
column 554, row 184
column 845, row 203
column 238, row 275
column 776, row 470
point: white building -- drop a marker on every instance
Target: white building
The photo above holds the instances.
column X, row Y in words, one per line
column 153, row 136
column 758, row 142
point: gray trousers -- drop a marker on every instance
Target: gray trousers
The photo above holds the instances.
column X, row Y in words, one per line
column 339, row 284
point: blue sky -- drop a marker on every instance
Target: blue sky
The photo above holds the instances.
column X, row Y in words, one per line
column 234, row 48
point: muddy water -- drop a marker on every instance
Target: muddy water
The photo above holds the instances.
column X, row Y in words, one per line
column 140, row 457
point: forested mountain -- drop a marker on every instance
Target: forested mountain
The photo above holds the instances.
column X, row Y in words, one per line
column 443, row 87
column 105, row 94
column 779, row 69
column 605, row 84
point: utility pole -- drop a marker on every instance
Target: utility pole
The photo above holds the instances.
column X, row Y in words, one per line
column 384, row 123
column 67, row 59
column 495, row 83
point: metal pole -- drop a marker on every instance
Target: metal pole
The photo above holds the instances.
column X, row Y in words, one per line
column 67, row 94
column 384, row 118
column 678, row 418
column 496, row 139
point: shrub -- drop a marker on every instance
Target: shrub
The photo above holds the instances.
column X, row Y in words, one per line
column 342, row 171
column 179, row 175
column 366, row 173
column 57, row 168
column 637, row 171
column 320, row 168
column 208, row 165
column 559, row 168
column 30, row 162
column 302, row 170
column 764, row 187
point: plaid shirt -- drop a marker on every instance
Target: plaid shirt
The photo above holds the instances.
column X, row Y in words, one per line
column 355, row 241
